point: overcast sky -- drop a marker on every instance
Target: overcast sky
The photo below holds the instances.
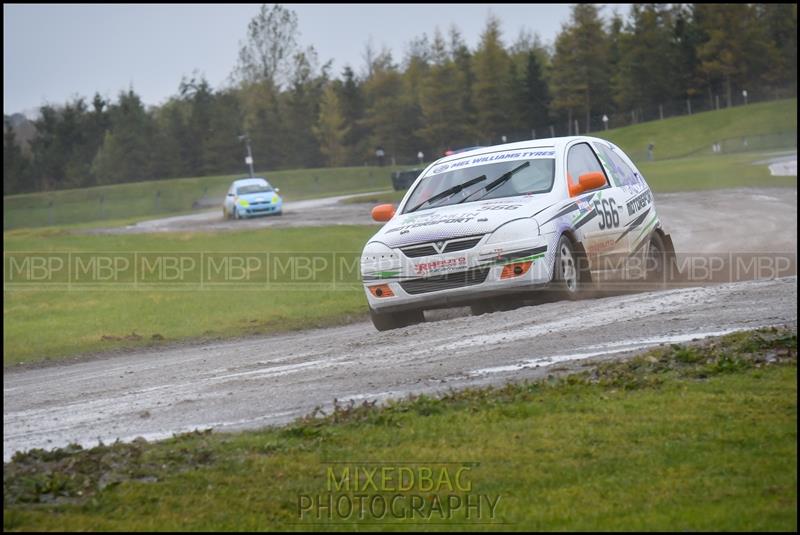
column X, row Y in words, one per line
column 52, row 53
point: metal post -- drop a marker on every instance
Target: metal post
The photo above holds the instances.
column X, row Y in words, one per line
column 552, row 131
column 577, row 132
column 661, row 111
column 717, row 99
column 689, row 105
column 249, row 159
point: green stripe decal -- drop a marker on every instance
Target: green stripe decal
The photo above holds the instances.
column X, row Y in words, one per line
column 518, row 260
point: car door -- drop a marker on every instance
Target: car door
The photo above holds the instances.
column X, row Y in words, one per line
column 635, row 195
column 599, row 230
column 229, row 198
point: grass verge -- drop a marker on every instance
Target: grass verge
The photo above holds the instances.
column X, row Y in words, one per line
column 50, row 322
column 690, row 437
column 677, row 137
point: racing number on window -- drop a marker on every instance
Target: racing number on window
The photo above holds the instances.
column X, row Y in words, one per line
column 608, row 212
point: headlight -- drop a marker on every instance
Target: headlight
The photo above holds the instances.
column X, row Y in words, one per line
column 377, row 256
column 517, row 230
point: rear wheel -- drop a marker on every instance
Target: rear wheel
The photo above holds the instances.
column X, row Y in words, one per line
column 394, row 320
column 660, row 265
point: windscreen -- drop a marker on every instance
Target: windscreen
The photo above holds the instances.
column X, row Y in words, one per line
column 253, row 188
column 492, row 176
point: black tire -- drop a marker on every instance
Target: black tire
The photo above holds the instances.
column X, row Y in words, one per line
column 569, row 277
column 482, row 307
column 395, row 320
column 660, row 265
column 236, row 213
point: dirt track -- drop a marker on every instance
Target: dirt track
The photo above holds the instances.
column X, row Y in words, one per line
column 270, row 380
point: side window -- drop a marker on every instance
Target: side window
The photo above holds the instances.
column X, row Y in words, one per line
column 621, row 172
column 581, row 160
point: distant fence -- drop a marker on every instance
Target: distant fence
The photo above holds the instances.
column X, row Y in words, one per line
column 618, row 119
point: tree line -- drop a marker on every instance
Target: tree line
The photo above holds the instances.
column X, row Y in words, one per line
column 441, row 95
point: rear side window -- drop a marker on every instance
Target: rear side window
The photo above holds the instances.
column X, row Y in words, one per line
column 581, row 160
column 621, row 173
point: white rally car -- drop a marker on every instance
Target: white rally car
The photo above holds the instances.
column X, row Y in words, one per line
column 479, row 227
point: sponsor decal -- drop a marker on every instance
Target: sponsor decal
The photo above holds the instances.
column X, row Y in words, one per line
column 639, row 202
column 455, row 219
column 489, row 158
column 600, row 246
column 500, row 207
column 439, row 266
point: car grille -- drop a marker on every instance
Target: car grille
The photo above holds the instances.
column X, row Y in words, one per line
column 445, row 282
column 416, row 251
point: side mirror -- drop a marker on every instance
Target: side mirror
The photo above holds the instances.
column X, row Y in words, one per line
column 277, row 190
column 231, row 195
column 587, row 182
column 383, row 212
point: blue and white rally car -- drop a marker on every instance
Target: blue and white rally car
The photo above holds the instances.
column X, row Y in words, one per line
column 250, row 197
column 479, row 227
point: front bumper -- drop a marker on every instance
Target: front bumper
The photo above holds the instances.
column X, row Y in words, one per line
column 255, row 210
column 458, row 278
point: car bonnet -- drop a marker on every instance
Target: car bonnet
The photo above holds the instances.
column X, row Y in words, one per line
column 455, row 221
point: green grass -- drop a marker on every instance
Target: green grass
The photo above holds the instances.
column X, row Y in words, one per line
column 660, row 442
column 52, row 322
column 711, row 172
column 681, row 136
column 140, row 200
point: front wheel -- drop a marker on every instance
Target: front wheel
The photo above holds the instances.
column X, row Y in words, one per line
column 394, row 320
column 569, row 276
